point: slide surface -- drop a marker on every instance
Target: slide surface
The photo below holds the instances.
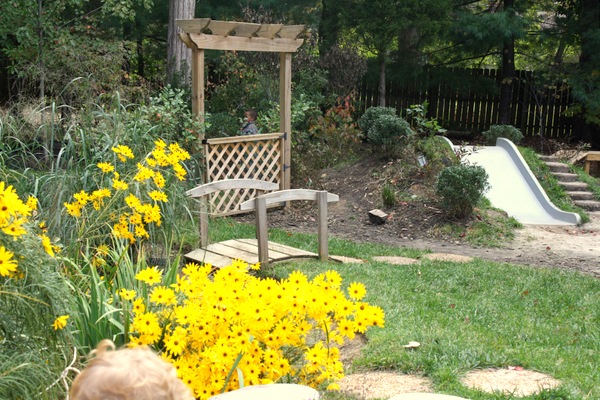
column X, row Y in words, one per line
column 514, row 188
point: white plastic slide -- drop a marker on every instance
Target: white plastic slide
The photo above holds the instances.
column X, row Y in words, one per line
column 514, row 188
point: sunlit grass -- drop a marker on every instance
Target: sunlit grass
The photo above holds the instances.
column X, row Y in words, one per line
column 479, row 315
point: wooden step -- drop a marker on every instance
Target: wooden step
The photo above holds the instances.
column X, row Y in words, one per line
column 558, row 167
column 548, row 158
column 574, row 186
column 584, row 195
column 566, row 176
column 589, row 205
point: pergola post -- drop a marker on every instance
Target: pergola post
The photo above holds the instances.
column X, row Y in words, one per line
column 198, row 85
column 285, row 113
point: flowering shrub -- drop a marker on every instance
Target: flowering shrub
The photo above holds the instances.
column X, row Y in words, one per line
column 33, row 300
column 233, row 329
column 129, row 204
column 14, row 217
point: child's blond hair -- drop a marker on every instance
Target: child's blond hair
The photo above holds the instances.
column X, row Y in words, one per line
column 128, row 374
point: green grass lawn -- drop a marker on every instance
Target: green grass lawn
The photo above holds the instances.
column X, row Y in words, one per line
column 466, row 316
column 479, row 315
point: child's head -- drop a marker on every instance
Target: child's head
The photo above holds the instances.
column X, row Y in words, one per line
column 128, row 374
column 251, row 115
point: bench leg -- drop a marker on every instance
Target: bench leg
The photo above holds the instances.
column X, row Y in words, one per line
column 322, row 226
column 261, row 231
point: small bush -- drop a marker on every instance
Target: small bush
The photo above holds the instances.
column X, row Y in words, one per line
column 460, row 188
column 388, row 129
column 504, row 131
column 368, row 118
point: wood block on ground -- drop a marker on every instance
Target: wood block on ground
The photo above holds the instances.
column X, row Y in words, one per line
column 377, row 216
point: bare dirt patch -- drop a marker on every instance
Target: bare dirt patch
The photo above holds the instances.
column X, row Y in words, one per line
column 415, row 222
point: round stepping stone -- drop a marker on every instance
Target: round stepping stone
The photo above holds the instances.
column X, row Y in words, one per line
column 425, row 396
column 347, row 260
column 275, row 391
column 447, row 257
column 382, row 384
column 517, row 382
column 396, row 260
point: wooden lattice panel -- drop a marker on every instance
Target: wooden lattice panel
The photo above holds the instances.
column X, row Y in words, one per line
column 242, row 157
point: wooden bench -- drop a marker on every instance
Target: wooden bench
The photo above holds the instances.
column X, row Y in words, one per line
column 591, row 156
column 201, row 192
column 260, row 204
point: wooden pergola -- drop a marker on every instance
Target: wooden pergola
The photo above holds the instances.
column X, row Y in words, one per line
column 202, row 34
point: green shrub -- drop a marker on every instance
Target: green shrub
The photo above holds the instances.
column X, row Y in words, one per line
column 388, row 129
column 460, row 188
column 504, row 131
column 416, row 114
column 368, row 118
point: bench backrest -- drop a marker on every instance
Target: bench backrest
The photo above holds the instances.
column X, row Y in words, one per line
column 260, row 204
column 206, row 189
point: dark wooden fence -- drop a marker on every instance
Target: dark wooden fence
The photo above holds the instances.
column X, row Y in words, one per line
column 467, row 100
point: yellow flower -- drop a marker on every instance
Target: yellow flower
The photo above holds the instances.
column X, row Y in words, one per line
column 150, row 275
column 15, row 228
column 163, row 295
column 138, row 306
column 133, row 202
column 143, row 173
column 357, row 290
column 11, row 204
column 102, row 250
column 176, row 342
column 157, row 195
column 82, row 197
column 47, row 245
column 180, row 172
column 141, row 232
column 60, row 322
column 7, row 264
column 106, row 167
column 127, row 294
column 119, row 184
column 146, row 324
column 152, row 214
column 74, row 209
column 99, row 194
column 159, row 180
column 123, row 152
column 32, row 203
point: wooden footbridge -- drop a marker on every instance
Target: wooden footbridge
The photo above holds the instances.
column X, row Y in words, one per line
column 259, row 249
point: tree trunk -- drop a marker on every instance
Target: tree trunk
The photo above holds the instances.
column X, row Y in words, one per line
column 178, row 55
column 381, row 91
column 329, row 26
column 507, row 74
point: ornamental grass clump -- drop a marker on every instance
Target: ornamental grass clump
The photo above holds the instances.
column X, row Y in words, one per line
column 233, row 329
